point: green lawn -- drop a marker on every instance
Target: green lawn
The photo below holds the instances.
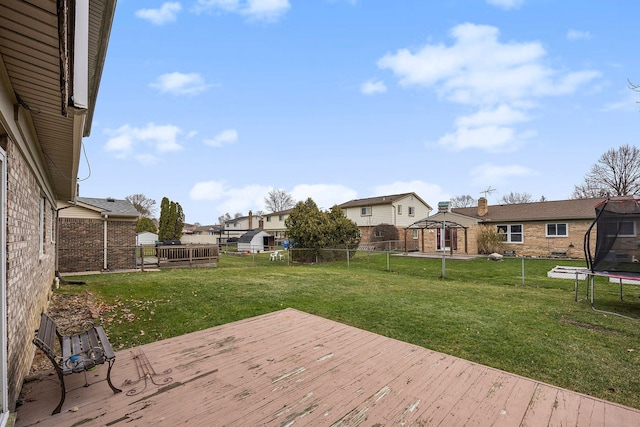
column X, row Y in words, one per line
column 480, row 312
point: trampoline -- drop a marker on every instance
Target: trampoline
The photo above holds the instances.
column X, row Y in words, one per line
column 617, row 247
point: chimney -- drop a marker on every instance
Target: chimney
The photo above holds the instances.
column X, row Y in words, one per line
column 483, row 207
column 250, row 220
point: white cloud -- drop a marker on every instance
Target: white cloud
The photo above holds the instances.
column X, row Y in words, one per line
column 489, row 174
column 430, row 193
column 500, row 116
column 578, row 35
column 167, row 13
column 478, row 69
column 231, row 200
column 506, row 4
column 503, row 80
column 180, row 83
column 257, row 10
column 209, row 190
column 325, row 195
column 487, row 137
column 371, row 87
column 124, row 140
column 226, row 137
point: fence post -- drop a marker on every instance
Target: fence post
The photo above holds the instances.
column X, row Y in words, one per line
column 388, row 261
column 142, row 258
column 348, row 256
column 523, row 271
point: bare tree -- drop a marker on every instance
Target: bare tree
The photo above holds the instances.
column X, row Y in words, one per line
column 224, row 218
column 143, row 204
column 514, row 198
column 463, row 201
column 617, row 173
column 278, row 200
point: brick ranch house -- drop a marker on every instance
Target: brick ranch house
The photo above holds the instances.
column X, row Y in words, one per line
column 540, row 229
column 48, row 91
column 96, row 235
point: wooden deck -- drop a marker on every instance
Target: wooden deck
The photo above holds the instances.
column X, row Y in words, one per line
column 291, row 368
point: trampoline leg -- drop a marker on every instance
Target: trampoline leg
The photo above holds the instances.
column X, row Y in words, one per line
column 620, row 289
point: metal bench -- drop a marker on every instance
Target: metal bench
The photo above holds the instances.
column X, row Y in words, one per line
column 74, row 353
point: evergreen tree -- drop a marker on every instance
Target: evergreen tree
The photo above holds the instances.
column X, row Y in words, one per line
column 171, row 220
column 145, row 224
column 313, row 230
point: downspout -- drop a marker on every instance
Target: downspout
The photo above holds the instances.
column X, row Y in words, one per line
column 105, row 218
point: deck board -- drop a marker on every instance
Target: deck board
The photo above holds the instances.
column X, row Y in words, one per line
column 291, row 368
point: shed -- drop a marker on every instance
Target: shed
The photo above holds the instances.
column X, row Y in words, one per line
column 255, row 241
column 146, row 238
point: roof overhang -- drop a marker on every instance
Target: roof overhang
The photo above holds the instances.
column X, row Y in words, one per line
column 52, row 55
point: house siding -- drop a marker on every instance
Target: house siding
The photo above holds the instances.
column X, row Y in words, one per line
column 81, row 246
column 537, row 244
column 30, row 273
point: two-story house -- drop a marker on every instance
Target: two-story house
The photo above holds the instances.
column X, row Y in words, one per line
column 273, row 223
column 374, row 215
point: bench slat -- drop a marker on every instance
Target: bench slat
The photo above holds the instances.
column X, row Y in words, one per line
column 106, row 345
column 91, row 347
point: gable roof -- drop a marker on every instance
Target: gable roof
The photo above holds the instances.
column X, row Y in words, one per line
column 380, row 200
column 112, row 206
column 249, row 235
column 536, row 211
column 284, row 212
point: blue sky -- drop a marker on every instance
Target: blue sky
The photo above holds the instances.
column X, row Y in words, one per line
column 213, row 103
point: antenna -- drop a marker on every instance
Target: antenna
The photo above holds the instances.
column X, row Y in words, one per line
column 488, row 191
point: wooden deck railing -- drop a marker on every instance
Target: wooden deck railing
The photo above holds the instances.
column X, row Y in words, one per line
column 176, row 255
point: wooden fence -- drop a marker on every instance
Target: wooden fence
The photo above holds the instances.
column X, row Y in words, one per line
column 176, row 256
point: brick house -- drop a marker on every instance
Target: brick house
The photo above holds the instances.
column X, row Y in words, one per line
column 397, row 210
column 541, row 229
column 48, row 91
column 96, row 235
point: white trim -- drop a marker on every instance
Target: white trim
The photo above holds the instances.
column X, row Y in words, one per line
column 509, row 233
column 546, row 229
column 4, row 396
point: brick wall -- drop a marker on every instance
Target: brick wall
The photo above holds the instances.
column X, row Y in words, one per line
column 81, row 246
column 30, row 271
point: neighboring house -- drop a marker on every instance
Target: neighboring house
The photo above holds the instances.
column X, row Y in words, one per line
column 96, row 235
column 48, row 91
column 255, row 241
column 146, row 238
column 398, row 210
column 274, row 223
column 236, row 227
column 540, row 229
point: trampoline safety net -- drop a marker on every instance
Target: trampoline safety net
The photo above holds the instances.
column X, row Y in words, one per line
column 617, row 249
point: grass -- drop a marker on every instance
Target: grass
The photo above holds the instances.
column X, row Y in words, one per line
column 480, row 312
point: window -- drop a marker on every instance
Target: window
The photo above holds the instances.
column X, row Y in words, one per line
column 399, row 209
column 412, row 211
column 557, row 230
column 621, row 228
column 378, row 233
column 415, row 232
column 268, row 219
column 512, row 233
column 41, row 225
column 365, row 211
column 280, row 217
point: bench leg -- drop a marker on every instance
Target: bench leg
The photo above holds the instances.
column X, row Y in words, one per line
column 115, row 389
column 63, row 393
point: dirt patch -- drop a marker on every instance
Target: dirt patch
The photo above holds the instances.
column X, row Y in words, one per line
column 588, row 326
